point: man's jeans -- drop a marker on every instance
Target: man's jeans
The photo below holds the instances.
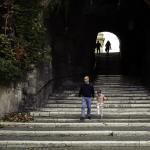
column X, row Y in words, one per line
column 86, row 101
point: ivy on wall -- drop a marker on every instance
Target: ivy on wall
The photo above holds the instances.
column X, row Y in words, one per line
column 9, row 68
column 22, row 37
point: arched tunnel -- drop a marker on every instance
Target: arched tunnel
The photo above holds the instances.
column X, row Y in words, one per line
column 73, row 30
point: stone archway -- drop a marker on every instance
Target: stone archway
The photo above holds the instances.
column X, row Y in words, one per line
column 105, row 36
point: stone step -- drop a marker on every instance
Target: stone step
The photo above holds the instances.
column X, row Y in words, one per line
column 107, row 94
column 74, row 135
column 94, row 109
column 108, row 97
column 119, row 98
column 113, row 95
column 110, row 75
column 122, row 86
column 109, row 88
column 111, row 92
column 107, row 83
column 106, row 114
column 94, row 102
column 61, row 120
column 94, row 105
column 119, row 83
column 78, row 128
column 138, row 95
column 80, row 145
column 118, row 86
column 121, row 80
column 113, row 77
column 75, row 138
column 117, row 79
column 74, row 125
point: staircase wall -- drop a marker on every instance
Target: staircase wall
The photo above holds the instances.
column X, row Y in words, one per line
column 146, row 61
column 38, row 86
column 10, row 98
column 28, row 93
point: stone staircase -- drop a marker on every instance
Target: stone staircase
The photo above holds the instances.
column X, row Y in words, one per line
column 108, row 64
column 56, row 126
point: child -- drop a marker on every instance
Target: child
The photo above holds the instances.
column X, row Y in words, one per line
column 100, row 102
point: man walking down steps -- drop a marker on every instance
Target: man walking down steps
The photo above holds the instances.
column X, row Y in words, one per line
column 86, row 91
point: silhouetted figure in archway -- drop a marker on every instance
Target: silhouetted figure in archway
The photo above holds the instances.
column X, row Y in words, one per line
column 107, row 47
column 98, row 45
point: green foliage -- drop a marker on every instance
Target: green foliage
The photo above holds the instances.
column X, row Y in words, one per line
column 30, row 28
column 9, row 69
column 30, row 37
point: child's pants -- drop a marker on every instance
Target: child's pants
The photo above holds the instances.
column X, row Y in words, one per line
column 100, row 109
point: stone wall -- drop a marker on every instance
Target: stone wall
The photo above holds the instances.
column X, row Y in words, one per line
column 30, row 93
column 38, row 87
column 10, row 98
column 146, row 60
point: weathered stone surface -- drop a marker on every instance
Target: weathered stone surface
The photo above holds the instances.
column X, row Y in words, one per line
column 32, row 92
column 10, row 98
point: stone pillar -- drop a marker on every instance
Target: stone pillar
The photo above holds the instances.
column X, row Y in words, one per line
column 32, row 80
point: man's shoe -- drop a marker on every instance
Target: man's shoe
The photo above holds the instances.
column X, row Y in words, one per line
column 82, row 118
column 89, row 117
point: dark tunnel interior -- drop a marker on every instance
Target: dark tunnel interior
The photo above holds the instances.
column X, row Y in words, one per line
column 73, row 31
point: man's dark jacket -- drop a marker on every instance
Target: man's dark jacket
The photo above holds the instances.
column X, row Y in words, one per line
column 86, row 90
